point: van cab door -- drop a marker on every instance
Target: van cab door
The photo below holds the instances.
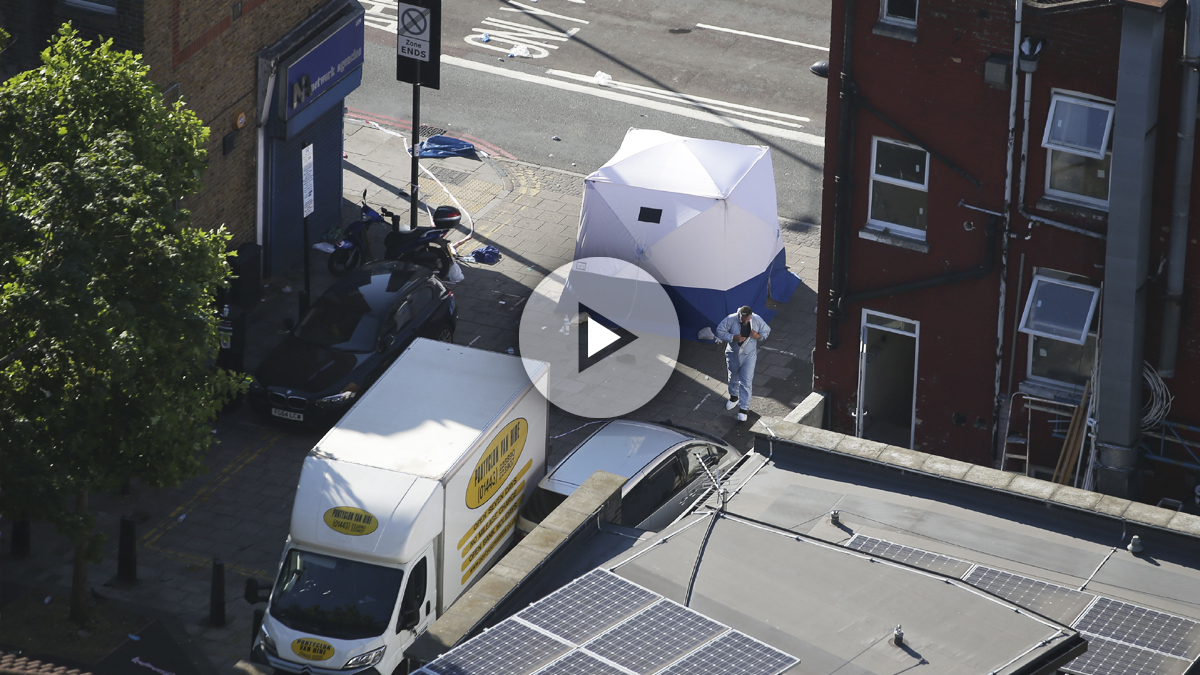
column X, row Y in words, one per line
column 417, row 600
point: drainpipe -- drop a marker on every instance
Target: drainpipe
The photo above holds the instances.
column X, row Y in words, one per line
column 1185, row 147
column 842, row 187
column 1006, row 218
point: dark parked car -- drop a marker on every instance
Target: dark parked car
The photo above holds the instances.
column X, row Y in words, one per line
column 348, row 338
column 664, row 465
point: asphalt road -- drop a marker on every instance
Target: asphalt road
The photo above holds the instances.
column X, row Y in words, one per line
column 675, row 66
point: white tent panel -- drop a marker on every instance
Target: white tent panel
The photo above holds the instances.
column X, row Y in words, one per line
column 685, row 257
column 626, row 203
column 756, row 192
column 730, row 165
column 644, row 169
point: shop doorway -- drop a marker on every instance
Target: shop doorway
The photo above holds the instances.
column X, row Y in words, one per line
column 887, row 378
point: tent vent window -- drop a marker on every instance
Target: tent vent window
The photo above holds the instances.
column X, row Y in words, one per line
column 648, row 215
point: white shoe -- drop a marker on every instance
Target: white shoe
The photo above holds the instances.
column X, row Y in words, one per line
column 730, row 405
column 741, row 417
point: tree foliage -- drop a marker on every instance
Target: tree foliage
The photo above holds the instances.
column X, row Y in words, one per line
column 107, row 331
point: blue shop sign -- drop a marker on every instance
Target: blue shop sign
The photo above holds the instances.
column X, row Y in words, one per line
column 337, row 52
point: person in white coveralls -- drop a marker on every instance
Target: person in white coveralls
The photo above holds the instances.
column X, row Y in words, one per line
column 741, row 332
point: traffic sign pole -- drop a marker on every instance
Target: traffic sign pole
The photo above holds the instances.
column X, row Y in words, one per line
column 413, row 196
column 418, row 61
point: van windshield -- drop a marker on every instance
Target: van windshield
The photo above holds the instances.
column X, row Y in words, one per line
column 335, row 597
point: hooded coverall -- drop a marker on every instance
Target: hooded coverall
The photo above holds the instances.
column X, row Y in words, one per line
column 740, row 358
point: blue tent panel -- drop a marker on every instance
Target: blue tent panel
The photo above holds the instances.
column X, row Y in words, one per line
column 784, row 282
column 704, row 307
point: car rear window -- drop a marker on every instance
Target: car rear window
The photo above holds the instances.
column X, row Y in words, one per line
column 541, row 503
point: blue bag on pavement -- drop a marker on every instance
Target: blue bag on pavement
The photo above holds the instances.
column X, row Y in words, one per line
column 488, row 255
column 445, row 146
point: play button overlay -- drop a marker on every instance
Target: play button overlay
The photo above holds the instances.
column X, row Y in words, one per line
column 597, row 341
column 609, row 333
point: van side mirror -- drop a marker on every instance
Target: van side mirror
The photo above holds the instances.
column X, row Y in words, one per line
column 409, row 618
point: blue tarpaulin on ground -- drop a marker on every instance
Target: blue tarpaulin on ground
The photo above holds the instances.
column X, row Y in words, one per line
column 445, row 146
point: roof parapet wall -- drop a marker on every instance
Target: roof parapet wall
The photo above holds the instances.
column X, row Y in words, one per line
column 771, row 430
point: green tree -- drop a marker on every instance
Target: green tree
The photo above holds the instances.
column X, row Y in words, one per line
column 107, row 331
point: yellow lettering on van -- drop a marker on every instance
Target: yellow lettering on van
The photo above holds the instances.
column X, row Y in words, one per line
column 497, row 462
column 351, row 521
column 311, row 649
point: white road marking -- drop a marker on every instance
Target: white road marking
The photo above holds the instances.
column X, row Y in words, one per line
column 708, row 103
column 755, row 127
column 762, row 37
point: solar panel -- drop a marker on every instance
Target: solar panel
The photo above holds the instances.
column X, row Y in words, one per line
column 733, row 652
column 1051, row 600
column 587, row 606
column 934, row 562
column 1143, row 627
column 655, row 637
column 580, row 663
column 493, row 653
column 1105, row 657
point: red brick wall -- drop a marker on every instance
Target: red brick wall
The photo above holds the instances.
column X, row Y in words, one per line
column 213, row 58
column 934, row 89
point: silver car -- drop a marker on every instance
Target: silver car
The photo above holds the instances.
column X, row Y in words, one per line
column 664, row 465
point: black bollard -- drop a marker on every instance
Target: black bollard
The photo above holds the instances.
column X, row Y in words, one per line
column 20, row 538
column 255, row 625
column 127, row 552
column 216, row 602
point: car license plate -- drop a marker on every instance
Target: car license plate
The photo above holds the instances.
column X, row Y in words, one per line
column 288, row 415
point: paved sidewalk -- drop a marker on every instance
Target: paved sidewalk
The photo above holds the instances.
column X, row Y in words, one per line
column 240, row 510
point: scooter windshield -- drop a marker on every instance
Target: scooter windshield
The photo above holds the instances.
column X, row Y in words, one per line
column 334, row 597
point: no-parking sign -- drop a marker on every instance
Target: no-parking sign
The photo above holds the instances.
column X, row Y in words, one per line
column 419, row 42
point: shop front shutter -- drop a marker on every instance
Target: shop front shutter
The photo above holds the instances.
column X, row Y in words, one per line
column 286, row 220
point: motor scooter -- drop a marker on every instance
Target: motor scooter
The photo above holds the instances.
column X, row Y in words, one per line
column 354, row 247
column 425, row 246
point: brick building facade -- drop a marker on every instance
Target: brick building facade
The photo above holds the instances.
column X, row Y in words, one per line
column 995, row 227
column 218, row 55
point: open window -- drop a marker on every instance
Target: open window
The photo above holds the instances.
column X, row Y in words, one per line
column 1078, row 138
column 1061, row 320
column 1078, row 125
column 899, row 188
column 1059, row 309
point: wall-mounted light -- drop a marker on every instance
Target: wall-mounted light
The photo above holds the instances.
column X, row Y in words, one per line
column 820, row 69
column 1031, row 52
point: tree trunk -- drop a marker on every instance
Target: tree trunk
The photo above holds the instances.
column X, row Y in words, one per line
column 80, row 609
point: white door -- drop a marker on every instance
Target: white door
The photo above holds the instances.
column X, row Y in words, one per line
column 887, row 379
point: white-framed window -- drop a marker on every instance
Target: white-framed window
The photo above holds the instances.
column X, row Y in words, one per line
column 1078, row 125
column 1060, row 319
column 899, row 187
column 1061, row 363
column 1059, row 309
column 1078, row 139
column 899, row 12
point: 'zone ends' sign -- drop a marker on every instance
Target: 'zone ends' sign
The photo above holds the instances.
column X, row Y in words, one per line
column 419, row 43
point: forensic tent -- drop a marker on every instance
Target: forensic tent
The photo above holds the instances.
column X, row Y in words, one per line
column 699, row 216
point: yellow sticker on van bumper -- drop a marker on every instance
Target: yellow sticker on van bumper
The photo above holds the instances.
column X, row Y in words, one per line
column 311, row 649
